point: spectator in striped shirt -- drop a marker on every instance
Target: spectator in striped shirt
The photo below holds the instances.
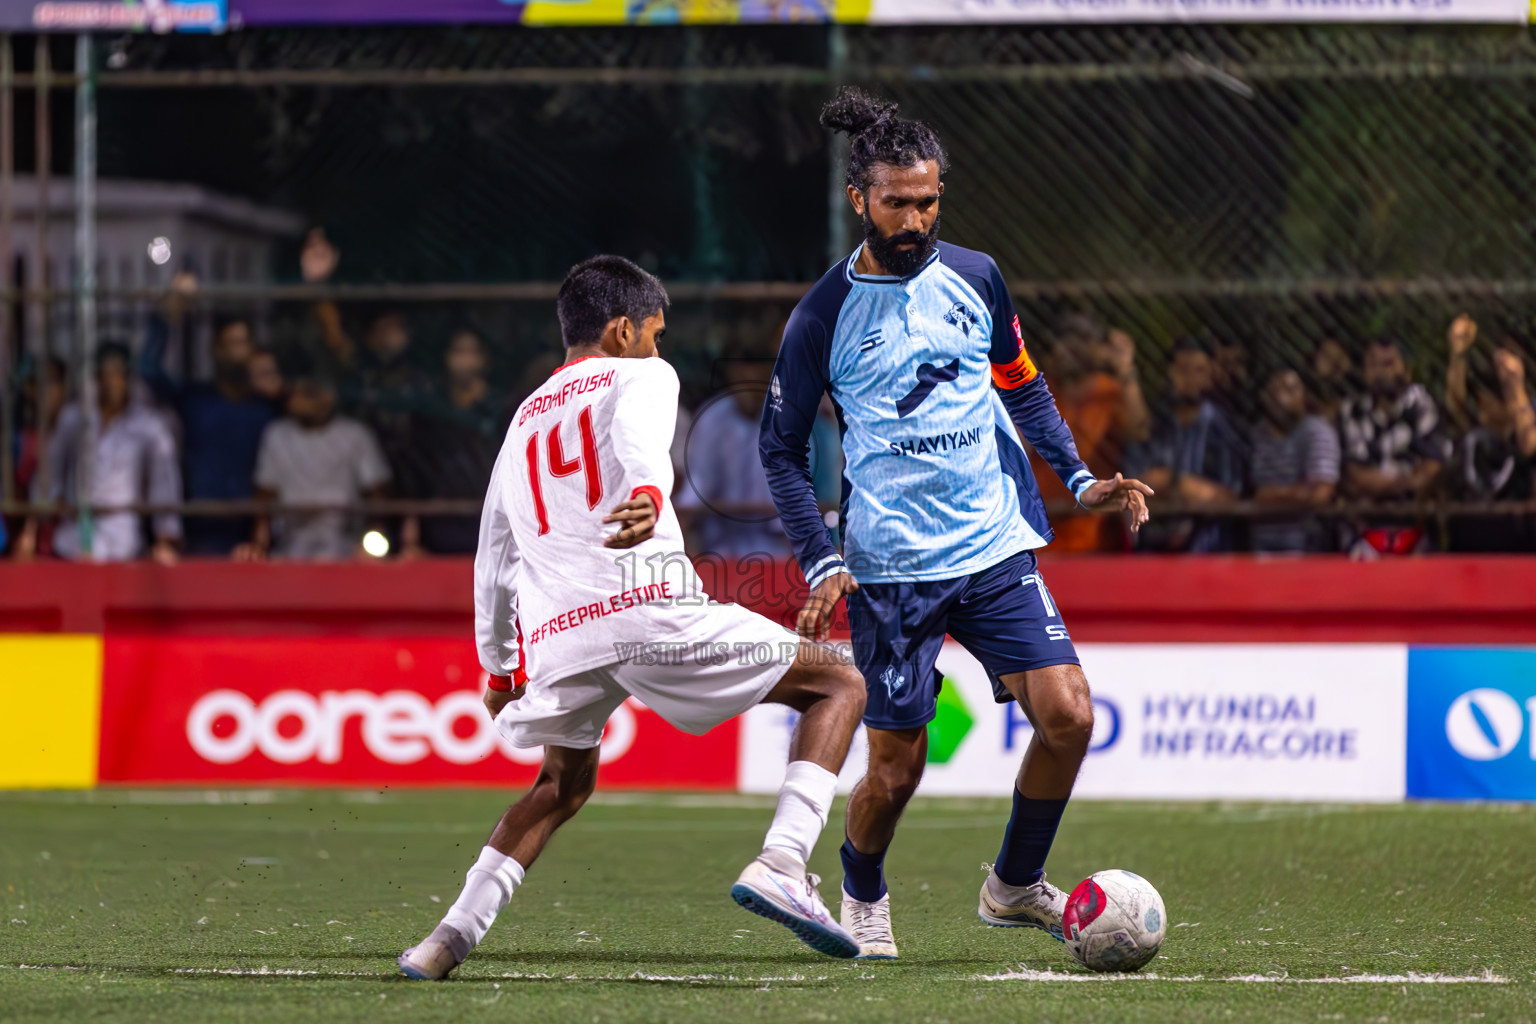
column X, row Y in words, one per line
column 1294, row 464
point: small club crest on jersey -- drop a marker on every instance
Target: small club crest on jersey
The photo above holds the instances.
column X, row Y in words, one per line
column 961, row 317
column 892, row 680
column 776, row 394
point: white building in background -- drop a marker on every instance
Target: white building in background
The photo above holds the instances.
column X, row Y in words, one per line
column 146, row 231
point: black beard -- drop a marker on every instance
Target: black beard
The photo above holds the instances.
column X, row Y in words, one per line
column 899, row 262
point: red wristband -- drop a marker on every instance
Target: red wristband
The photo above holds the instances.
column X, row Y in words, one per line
column 654, row 492
column 502, row 684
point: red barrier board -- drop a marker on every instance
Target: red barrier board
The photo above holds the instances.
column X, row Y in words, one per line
column 349, row 710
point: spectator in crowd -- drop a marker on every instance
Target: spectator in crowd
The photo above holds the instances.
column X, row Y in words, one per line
column 37, row 416
column 460, row 435
column 1194, row 455
column 725, row 501
column 1098, row 390
column 134, row 463
column 1294, row 464
column 380, row 382
column 1493, row 460
column 314, row 457
column 1393, row 449
column 1332, row 377
column 222, row 420
column 267, row 378
column 1231, row 387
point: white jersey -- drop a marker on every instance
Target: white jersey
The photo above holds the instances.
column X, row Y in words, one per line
column 549, row 597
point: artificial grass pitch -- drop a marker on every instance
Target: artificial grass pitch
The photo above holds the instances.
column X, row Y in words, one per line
column 286, row 905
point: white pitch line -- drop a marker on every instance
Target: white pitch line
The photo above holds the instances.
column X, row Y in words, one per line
column 1486, row 978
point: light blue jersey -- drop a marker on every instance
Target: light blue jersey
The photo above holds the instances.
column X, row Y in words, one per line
column 926, row 373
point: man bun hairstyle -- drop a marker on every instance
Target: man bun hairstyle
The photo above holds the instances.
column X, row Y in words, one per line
column 879, row 136
column 598, row 291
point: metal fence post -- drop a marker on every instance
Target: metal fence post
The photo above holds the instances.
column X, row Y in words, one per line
column 837, row 153
column 85, row 282
column 7, row 295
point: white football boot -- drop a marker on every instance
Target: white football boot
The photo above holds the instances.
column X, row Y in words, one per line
column 438, row 954
column 1033, row 906
column 870, row 925
column 777, row 887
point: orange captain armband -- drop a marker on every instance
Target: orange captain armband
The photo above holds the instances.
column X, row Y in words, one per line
column 1019, row 372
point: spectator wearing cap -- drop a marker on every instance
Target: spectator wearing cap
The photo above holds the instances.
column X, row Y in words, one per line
column 1194, row 455
column 314, row 457
column 1098, row 390
column 222, row 419
column 1393, row 448
column 1294, row 464
column 134, row 464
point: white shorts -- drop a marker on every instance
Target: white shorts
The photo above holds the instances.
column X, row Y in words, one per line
column 695, row 684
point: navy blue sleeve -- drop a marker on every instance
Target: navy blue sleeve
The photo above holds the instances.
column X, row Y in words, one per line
column 784, row 443
column 1025, row 395
column 157, row 336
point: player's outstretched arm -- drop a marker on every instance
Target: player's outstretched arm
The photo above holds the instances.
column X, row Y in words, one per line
column 784, row 445
column 1118, row 495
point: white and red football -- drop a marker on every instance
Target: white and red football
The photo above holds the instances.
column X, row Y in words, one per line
column 1114, row 921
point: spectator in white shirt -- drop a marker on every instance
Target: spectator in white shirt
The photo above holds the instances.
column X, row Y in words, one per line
column 135, row 464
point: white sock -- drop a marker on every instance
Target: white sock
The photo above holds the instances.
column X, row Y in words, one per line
column 805, row 800
column 487, row 888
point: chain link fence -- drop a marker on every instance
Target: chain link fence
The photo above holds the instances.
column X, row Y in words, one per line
column 1271, row 189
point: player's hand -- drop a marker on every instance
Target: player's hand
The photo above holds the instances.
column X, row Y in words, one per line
column 1461, row 334
column 495, row 700
column 816, row 617
column 1117, row 495
column 638, row 516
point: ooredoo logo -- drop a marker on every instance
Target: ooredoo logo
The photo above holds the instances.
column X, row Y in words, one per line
column 398, row 727
column 1484, row 724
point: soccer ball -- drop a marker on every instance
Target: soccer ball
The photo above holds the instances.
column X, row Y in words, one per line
column 1114, row 921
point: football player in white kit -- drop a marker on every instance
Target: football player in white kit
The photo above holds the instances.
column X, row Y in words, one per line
column 583, row 598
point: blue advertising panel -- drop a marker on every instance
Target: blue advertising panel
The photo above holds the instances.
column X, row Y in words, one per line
column 1472, row 723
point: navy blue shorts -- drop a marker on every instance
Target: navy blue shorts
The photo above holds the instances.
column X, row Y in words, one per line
column 1003, row 615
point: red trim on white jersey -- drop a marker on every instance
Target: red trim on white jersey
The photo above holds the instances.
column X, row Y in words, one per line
column 653, row 491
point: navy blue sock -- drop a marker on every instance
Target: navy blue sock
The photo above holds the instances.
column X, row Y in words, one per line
column 1031, row 830
column 863, row 873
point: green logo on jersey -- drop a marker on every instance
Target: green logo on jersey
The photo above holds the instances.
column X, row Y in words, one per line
column 950, row 725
